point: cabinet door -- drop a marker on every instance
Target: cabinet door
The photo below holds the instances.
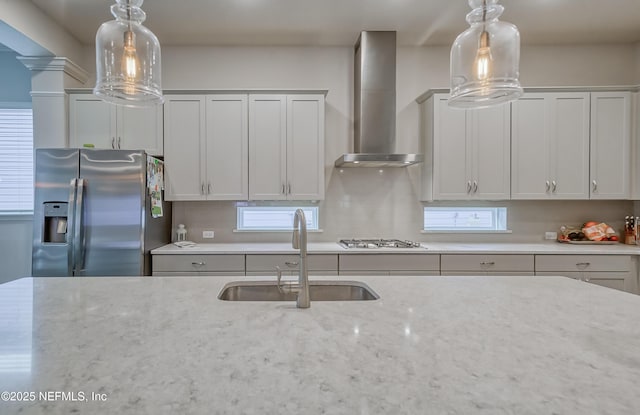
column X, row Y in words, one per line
column 267, row 147
column 530, row 148
column 450, row 152
column 91, row 121
column 227, row 147
column 185, row 147
column 489, row 134
column 305, row 147
column 569, row 145
column 610, row 145
column 140, row 129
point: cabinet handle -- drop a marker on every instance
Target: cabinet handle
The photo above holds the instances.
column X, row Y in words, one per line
column 209, row 188
column 113, row 143
column 548, row 185
column 291, row 264
column 487, row 263
column 554, row 185
column 203, row 188
column 283, row 189
column 595, row 185
column 469, row 186
column 289, row 189
column 582, row 265
column 475, row 186
column 118, row 143
column 198, row 264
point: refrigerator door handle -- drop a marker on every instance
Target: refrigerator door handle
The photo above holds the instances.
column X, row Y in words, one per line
column 78, row 231
column 71, row 226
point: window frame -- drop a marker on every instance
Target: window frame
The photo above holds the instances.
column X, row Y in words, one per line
column 312, row 219
column 26, row 208
column 499, row 220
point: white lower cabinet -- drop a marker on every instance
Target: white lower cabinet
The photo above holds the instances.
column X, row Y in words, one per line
column 265, row 264
column 388, row 264
column 613, row 271
column 481, row 264
column 197, row 265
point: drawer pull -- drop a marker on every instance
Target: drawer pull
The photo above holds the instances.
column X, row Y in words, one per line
column 198, row 264
column 485, row 263
column 291, row 264
column 583, row 265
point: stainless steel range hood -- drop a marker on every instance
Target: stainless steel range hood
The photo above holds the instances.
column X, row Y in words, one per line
column 375, row 105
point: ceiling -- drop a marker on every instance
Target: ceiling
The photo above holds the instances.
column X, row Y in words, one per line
column 338, row 22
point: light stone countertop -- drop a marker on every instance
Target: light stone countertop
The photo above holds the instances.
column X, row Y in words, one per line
column 429, row 345
column 551, row 247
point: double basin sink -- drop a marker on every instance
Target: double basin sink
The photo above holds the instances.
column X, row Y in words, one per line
column 318, row 291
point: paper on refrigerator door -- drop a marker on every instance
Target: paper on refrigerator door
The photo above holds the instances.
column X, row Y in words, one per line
column 155, row 184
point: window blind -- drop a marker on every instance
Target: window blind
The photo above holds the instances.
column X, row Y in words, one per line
column 16, row 160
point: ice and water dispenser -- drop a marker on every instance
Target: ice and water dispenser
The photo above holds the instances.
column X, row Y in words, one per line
column 55, row 222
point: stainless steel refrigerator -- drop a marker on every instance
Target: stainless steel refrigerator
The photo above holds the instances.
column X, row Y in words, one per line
column 92, row 214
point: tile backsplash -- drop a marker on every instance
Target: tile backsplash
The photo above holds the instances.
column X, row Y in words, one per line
column 362, row 203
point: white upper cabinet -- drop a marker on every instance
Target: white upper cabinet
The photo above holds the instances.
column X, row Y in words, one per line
column 104, row 125
column 550, row 146
column 286, row 147
column 206, row 147
column 185, row 147
column 610, row 145
column 227, row 160
column 244, row 147
column 571, row 145
column 470, row 152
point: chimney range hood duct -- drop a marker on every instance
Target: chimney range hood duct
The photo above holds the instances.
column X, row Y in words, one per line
column 375, row 105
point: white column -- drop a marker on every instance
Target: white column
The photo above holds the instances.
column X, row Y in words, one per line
column 50, row 76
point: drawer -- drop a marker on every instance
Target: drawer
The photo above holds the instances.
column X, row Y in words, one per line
column 198, row 263
column 198, row 274
column 389, row 262
column 315, row 262
column 585, row 263
column 487, row 263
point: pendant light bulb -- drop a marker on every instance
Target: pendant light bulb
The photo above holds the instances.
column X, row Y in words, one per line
column 482, row 64
column 129, row 62
column 485, row 59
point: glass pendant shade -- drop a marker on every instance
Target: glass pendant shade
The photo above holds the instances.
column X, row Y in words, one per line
column 128, row 58
column 485, row 59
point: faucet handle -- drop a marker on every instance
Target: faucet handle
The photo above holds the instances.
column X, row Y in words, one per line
column 279, row 277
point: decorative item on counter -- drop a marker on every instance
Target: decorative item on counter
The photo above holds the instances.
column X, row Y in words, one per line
column 589, row 233
column 630, row 230
column 181, row 233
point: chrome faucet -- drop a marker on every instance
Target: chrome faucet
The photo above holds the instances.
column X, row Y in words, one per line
column 299, row 241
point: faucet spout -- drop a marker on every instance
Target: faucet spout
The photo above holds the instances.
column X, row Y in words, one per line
column 299, row 241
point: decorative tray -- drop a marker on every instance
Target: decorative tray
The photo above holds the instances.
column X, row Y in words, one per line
column 589, row 242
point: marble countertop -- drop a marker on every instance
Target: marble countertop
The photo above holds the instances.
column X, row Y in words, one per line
column 551, row 247
column 440, row 345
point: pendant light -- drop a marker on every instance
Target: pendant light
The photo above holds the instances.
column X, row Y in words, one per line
column 485, row 59
column 128, row 58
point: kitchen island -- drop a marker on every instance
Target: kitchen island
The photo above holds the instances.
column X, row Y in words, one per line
column 429, row 345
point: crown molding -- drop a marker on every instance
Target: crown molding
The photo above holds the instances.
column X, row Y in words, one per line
column 44, row 63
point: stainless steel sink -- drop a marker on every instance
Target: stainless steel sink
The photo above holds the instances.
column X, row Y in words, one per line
column 318, row 291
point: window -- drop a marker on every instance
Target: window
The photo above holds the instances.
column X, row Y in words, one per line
column 274, row 218
column 465, row 219
column 16, row 160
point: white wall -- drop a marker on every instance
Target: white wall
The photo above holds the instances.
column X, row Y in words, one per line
column 365, row 202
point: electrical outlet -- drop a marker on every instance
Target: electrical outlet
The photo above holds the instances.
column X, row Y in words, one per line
column 207, row 234
column 551, row 235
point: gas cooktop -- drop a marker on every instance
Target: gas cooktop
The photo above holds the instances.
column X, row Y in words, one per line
column 378, row 243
